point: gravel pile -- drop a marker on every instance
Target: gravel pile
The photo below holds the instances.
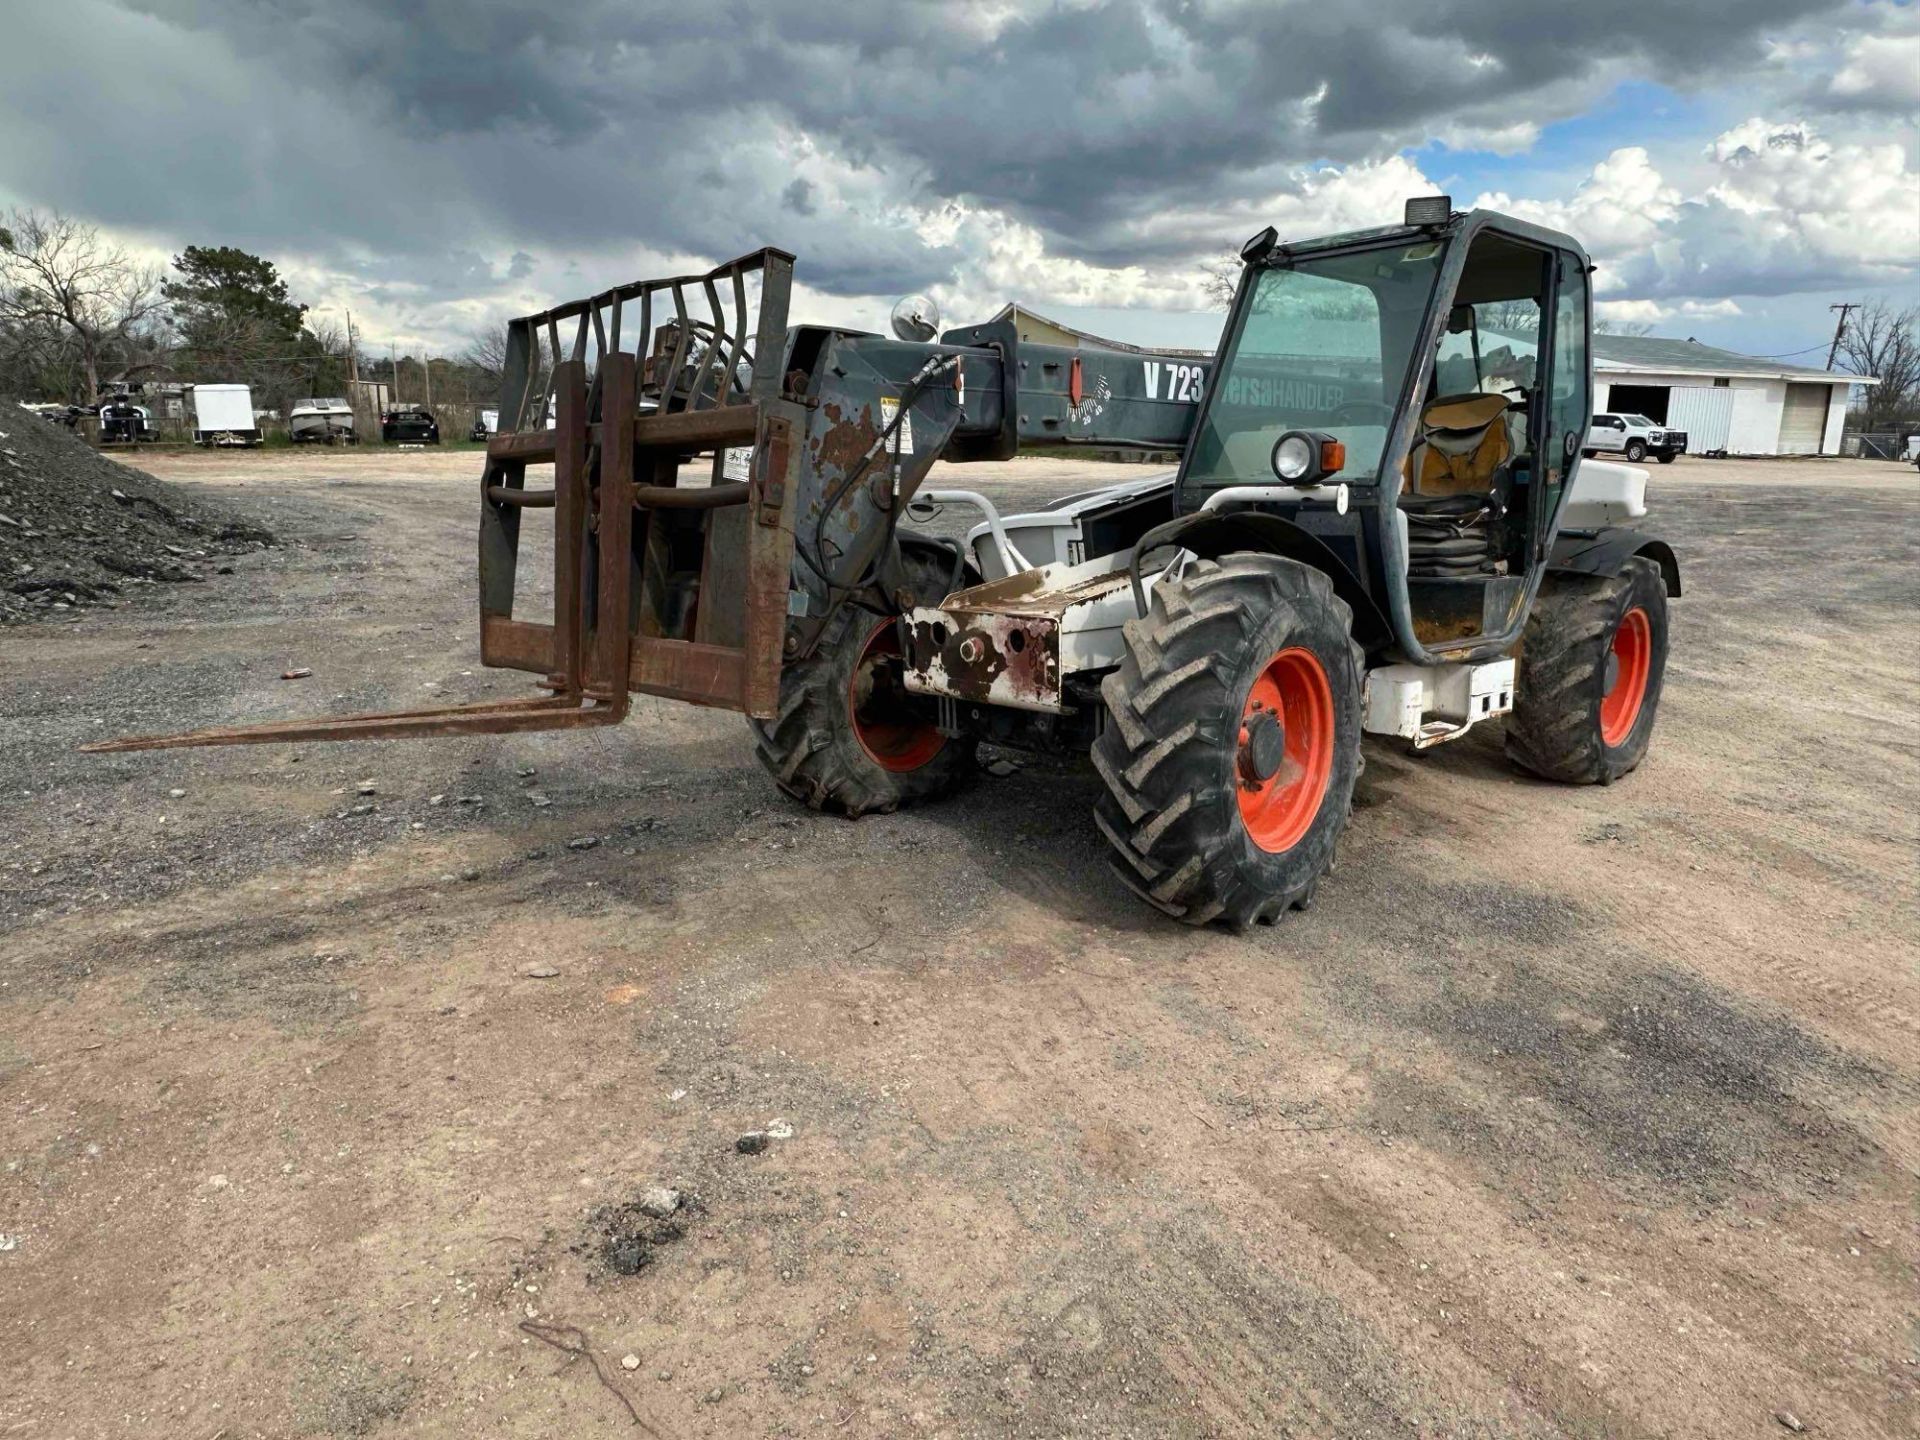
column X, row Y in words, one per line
column 76, row 529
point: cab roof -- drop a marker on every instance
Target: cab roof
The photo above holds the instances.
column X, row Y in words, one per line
column 1463, row 223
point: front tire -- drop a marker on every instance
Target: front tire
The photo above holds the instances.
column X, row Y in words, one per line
column 1667, row 457
column 846, row 739
column 1636, row 452
column 1232, row 741
column 1591, row 667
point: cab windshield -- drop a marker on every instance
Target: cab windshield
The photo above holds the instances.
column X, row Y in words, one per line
column 1324, row 344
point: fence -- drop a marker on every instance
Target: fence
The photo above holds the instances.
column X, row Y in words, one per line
column 1877, row 445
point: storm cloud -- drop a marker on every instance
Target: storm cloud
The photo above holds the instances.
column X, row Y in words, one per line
column 476, row 155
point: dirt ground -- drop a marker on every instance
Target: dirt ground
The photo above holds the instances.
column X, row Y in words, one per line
column 1563, row 1113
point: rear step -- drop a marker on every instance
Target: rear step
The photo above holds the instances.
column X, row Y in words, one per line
column 611, row 632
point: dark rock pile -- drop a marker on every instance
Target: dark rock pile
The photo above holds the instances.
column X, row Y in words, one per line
column 76, row 529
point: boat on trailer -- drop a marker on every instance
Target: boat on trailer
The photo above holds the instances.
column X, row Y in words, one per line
column 321, row 422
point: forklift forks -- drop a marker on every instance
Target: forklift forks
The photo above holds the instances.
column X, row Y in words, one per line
column 608, row 637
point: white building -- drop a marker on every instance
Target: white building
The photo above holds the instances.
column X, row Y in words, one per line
column 1739, row 404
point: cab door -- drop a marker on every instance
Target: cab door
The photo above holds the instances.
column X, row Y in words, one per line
column 1569, row 388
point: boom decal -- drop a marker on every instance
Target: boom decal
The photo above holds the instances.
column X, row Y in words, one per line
column 1184, row 383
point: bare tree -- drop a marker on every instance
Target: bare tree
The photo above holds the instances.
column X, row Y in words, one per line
column 486, row 352
column 1219, row 279
column 1508, row 317
column 37, row 357
column 57, row 271
column 1881, row 341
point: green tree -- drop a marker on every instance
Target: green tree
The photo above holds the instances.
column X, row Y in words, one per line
column 237, row 322
column 223, row 291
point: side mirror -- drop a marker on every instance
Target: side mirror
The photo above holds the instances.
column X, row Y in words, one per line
column 1460, row 320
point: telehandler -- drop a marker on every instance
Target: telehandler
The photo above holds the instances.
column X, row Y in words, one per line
column 1381, row 522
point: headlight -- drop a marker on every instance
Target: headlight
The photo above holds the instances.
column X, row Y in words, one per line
column 1293, row 457
column 1306, row 457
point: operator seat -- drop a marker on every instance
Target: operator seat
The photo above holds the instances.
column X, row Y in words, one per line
column 1463, row 442
column 1459, row 475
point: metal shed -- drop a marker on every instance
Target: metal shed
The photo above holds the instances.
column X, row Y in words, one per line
column 1725, row 401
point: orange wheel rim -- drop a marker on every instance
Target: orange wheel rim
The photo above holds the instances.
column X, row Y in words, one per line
column 1284, row 756
column 1629, row 662
column 894, row 738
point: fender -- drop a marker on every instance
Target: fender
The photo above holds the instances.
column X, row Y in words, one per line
column 1605, row 551
column 1213, row 533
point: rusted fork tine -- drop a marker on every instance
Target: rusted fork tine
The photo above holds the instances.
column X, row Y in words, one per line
column 569, row 519
column 493, row 717
column 612, row 633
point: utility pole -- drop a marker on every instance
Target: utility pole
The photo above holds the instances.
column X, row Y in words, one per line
column 393, row 360
column 353, row 359
column 426, row 369
column 1840, row 329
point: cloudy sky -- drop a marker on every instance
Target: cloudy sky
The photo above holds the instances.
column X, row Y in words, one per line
column 1735, row 167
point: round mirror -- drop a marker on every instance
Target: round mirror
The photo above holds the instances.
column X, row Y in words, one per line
column 916, row 318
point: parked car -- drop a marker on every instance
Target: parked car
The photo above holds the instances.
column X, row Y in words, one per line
column 409, row 425
column 1636, row 437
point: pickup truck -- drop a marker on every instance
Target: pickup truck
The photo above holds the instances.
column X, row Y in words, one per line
column 1636, row 437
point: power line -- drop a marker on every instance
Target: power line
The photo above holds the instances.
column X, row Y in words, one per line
column 1784, row 354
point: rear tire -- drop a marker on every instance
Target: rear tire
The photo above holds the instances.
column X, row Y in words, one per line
column 1591, row 667
column 1232, row 741
column 843, row 741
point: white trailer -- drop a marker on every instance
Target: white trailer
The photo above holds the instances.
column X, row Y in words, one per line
column 223, row 415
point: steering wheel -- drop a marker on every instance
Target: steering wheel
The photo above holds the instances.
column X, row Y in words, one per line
column 1356, row 412
column 1518, row 397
